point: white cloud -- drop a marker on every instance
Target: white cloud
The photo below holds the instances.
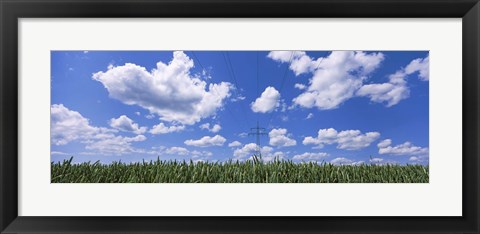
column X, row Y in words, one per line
column 195, row 155
column 234, row 144
column 169, row 90
column 137, row 113
column 150, row 116
column 406, row 148
column 273, row 156
column 278, row 137
column 419, row 159
column 68, row 126
column 267, row 102
column 281, row 56
column 384, row 143
column 300, row 86
column 238, row 98
column 284, row 106
column 202, row 156
column 308, row 156
column 115, row 144
column 123, row 123
column 215, row 128
column 420, row 65
column 348, row 139
column 177, row 151
column 202, row 153
column 58, row 153
column 309, row 116
column 336, row 79
column 341, row 161
column 376, row 160
column 246, row 153
column 396, row 89
column 345, row 161
column 207, row 141
column 300, row 62
column 243, row 134
column 390, row 93
column 249, row 149
column 162, row 129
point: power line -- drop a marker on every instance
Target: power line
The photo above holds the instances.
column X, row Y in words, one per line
column 286, row 71
column 321, row 60
column 228, row 62
column 283, row 82
column 226, row 57
column 198, row 60
column 226, row 106
column 285, row 74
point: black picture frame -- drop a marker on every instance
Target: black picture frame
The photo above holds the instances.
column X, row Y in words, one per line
column 12, row 10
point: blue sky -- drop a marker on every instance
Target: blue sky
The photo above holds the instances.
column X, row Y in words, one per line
column 343, row 107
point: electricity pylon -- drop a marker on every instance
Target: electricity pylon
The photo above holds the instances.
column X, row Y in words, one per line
column 258, row 131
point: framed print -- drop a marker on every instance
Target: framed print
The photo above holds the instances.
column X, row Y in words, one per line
column 268, row 116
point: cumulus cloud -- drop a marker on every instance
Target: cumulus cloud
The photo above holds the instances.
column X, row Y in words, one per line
column 177, row 151
column 162, row 129
column 345, row 161
column 115, row 144
column 202, row 153
column 169, row 90
column 68, row 125
column 207, row 141
column 381, row 161
column 123, row 123
column 249, row 149
column 420, row 159
column 396, row 89
column 278, row 137
column 335, row 78
column 376, row 160
column 215, row 128
column 300, row 86
column 420, row 65
column 300, row 62
column 308, row 156
column 234, row 144
column 267, row 102
column 384, row 143
column 406, row 148
column 273, row 156
column 309, row 116
column 195, row 155
column 201, row 156
column 348, row 139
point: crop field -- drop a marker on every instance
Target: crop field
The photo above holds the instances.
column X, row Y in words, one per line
column 234, row 172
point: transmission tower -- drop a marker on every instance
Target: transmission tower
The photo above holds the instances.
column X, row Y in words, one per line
column 258, row 131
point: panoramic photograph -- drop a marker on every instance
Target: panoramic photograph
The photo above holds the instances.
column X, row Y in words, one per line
column 239, row 116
